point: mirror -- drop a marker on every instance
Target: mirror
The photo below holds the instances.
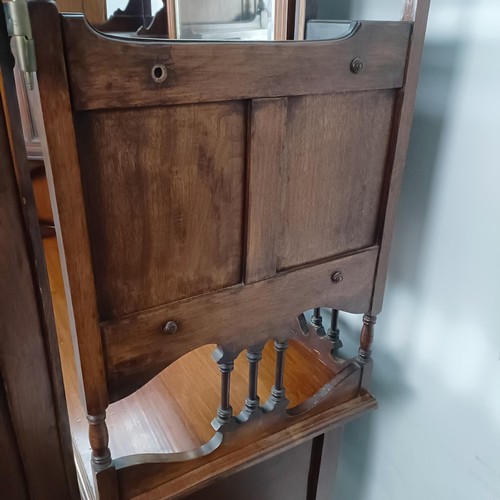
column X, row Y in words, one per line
column 235, row 20
column 225, row 20
column 232, row 20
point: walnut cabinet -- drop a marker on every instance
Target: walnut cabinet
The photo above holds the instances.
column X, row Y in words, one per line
column 207, row 195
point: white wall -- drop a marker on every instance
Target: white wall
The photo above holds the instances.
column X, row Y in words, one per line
column 436, row 435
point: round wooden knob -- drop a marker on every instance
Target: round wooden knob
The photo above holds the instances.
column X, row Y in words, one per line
column 170, row 327
column 337, row 277
column 357, row 65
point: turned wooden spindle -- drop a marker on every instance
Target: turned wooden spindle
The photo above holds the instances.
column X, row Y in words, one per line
column 225, row 411
column 366, row 338
column 278, row 390
column 333, row 334
column 252, row 401
column 99, row 440
column 317, row 319
column 317, row 322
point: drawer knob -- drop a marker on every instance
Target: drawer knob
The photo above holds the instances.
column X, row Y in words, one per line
column 357, row 65
column 337, row 277
column 170, row 327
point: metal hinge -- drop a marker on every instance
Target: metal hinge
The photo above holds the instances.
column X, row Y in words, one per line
column 19, row 28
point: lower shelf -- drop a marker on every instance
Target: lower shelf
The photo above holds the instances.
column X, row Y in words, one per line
column 169, row 481
column 173, row 412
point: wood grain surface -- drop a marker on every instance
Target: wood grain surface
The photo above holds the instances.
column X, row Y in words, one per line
column 252, row 446
column 405, row 103
column 106, row 72
column 136, row 348
column 29, row 401
column 164, row 191
column 335, row 157
column 12, row 476
column 284, row 476
column 64, row 182
column 265, row 168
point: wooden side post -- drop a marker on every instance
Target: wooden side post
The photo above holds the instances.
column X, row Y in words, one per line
column 55, row 123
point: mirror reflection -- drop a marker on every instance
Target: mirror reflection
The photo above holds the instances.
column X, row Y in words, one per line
column 235, row 20
column 225, row 19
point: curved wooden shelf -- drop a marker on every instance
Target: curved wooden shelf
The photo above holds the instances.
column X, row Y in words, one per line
column 173, row 412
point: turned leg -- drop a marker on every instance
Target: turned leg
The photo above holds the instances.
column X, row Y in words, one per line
column 104, row 472
column 333, row 334
column 252, row 401
column 99, row 439
column 277, row 397
column 317, row 321
column 366, row 338
column 225, row 410
column 278, row 389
